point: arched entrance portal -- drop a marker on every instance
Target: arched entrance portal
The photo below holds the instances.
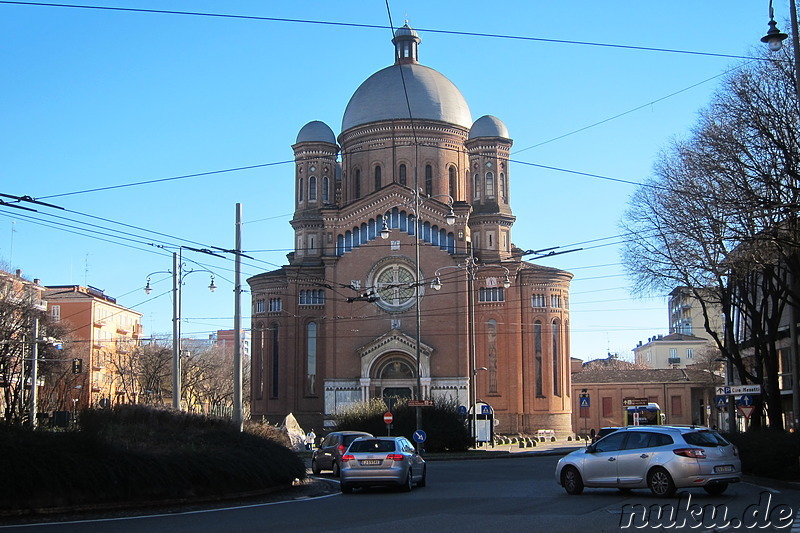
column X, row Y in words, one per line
column 394, row 376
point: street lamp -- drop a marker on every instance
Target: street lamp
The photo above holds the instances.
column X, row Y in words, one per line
column 178, row 275
column 471, row 266
column 450, row 219
column 774, row 39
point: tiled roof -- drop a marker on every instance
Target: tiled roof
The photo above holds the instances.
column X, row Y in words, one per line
column 663, row 375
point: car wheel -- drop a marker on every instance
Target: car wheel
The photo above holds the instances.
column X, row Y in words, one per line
column 315, row 467
column 346, row 489
column 335, row 468
column 406, row 487
column 715, row 488
column 660, row 483
column 571, row 480
column 424, row 481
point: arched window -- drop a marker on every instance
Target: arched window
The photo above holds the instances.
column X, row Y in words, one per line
column 452, row 180
column 489, row 185
column 477, row 188
column 556, row 357
column 377, row 177
column 428, row 180
column 312, row 189
column 402, row 172
column 275, row 358
column 537, row 357
column 357, row 184
column 491, row 349
column 325, row 189
column 259, row 353
column 300, row 185
column 311, row 358
column 396, row 369
column 503, row 188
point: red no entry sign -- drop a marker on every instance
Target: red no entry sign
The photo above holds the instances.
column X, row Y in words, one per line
column 387, row 417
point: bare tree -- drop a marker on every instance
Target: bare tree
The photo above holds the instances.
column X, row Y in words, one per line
column 152, row 367
column 720, row 217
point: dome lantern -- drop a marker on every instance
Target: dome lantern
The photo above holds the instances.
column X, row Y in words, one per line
column 406, row 45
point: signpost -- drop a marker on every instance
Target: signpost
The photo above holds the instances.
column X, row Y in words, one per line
column 746, row 410
column 635, row 402
column 584, row 402
column 735, row 390
column 420, row 403
column 387, row 419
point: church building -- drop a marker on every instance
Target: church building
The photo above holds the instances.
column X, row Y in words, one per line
column 404, row 280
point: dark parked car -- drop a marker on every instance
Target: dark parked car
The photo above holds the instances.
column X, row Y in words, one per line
column 603, row 432
column 382, row 461
column 329, row 454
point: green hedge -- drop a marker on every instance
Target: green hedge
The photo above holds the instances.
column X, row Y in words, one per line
column 135, row 454
column 446, row 430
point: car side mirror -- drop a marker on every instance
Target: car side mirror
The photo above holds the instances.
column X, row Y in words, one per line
column 591, row 449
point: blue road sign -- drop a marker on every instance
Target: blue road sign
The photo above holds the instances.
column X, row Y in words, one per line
column 745, row 399
column 585, row 401
column 462, row 409
column 720, row 401
column 420, row 436
column 486, row 409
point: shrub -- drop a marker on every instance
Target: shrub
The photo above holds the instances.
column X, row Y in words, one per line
column 446, row 430
column 138, row 454
column 769, row 453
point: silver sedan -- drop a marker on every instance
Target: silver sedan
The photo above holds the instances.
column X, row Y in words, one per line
column 662, row 458
column 382, row 461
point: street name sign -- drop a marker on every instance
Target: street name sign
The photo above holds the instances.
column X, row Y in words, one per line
column 738, row 389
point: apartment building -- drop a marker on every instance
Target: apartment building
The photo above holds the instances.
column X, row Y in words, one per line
column 102, row 335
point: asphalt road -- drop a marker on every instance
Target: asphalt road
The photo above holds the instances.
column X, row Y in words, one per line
column 515, row 494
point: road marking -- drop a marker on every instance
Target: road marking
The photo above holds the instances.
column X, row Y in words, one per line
column 773, row 491
column 181, row 513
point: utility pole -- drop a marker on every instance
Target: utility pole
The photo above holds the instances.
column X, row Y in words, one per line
column 238, row 416
column 176, row 331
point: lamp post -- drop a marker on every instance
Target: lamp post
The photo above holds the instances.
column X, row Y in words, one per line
column 450, row 219
column 774, row 40
column 471, row 266
column 177, row 281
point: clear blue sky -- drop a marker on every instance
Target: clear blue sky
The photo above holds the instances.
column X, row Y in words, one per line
column 98, row 98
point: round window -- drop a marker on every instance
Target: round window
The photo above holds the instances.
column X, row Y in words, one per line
column 396, row 287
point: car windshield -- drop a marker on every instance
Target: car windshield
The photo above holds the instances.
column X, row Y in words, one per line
column 704, row 438
column 372, row 445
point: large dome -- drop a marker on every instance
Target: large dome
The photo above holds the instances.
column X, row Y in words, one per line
column 430, row 95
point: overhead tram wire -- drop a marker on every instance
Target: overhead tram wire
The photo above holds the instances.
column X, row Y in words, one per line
column 379, row 27
column 619, row 115
column 162, row 180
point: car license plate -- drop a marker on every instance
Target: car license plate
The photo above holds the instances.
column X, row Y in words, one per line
column 370, row 462
column 724, row 469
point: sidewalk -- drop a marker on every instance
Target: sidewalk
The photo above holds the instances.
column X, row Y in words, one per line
column 508, row 450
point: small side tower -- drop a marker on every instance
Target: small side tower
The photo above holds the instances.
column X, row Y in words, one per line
column 490, row 224
column 316, row 168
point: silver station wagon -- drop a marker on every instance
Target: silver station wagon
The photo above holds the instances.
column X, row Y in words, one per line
column 661, row 458
column 382, row 461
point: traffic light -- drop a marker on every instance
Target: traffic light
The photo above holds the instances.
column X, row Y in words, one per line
column 77, row 366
